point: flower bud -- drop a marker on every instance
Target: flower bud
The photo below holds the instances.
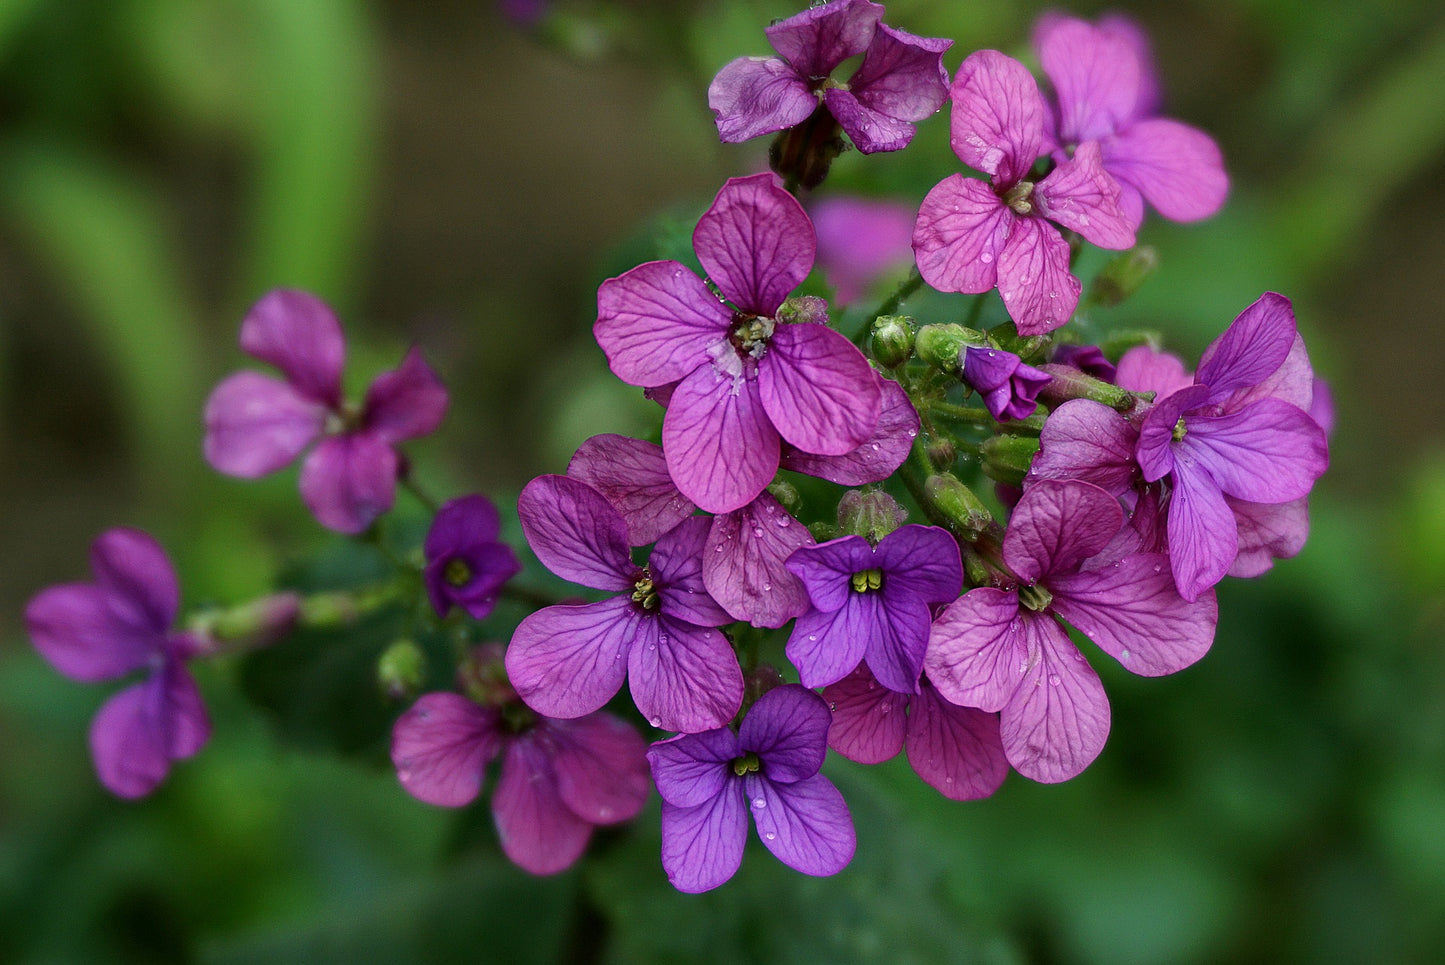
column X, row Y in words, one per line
column 786, row 494
column 1068, row 383
column 401, row 670
column 967, row 515
column 892, row 343
column 1006, row 458
column 941, row 454
column 940, row 345
column 872, row 515
column 252, row 625
column 802, row 308
column 802, row 154
column 1122, row 276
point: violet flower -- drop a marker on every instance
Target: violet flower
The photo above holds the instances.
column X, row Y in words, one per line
column 1089, row 359
column 901, row 79
column 860, row 239
column 466, row 565
column 973, row 236
column 747, row 380
column 1007, row 385
column 956, row 750
column 1005, row 650
column 659, row 631
column 112, row 627
column 872, row 604
column 559, row 778
column 256, row 424
column 1103, row 79
column 709, row 782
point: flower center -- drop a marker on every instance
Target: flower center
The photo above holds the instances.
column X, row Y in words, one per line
column 1017, row 197
column 747, row 764
column 865, row 581
column 1034, row 597
column 457, row 572
column 517, row 717
column 343, row 420
column 644, row 592
column 1179, row 431
column 750, row 334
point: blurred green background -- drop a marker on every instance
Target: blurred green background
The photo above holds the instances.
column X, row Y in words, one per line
column 448, row 176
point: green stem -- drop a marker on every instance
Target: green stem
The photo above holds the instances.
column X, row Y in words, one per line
column 960, row 413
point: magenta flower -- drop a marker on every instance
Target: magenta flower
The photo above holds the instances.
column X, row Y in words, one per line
column 956, row 750
column 559, row 778
column 1005, row 649
column 466, row 565
column 972, row 236
column 859, row 240
column 709, row 783
column 872, row 604
column 659, row 631
column 747, row 381
column 900, row 81
column 119, row 624
column 256, row 424
column 1007, row 385
column 1103, row 79
column 1089, row 359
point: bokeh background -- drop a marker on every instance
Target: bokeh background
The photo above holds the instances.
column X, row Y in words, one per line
column 462, row 175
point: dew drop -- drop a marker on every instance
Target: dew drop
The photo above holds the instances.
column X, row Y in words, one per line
column 767, row 587
column 912, row 433
column 770, row 836
column 1125, row 655
column 757, row 531
column 718, row 548
column 875, row 447
column 759, row 803
column 784, row 521
column 812, row 636
column 986, row 257
column 655, row 721
column 1055, row 680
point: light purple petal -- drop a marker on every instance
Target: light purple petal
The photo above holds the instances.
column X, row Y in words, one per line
column 684, row 678
column 601, row 767
column 1058, row 719
column 1033, row 277
column 567, row 661
column 405, row 403
column 1203, row 538
column 924, row 559
column 702, row 846
column 1145, row 369
column 744, row 567
column 1056, row 526
column 870, row 130
column 657, row 322
column 537, row 830
column 826, row 570
column 1095, row 74
column 1254, row 345
column 755, row 243
column 961, row 232
column 575, row 532
column 878, row 457
column 1132, row 612
column 805, row 825
column 1293, row 382
column 979, row 649
column 1268, row 452
column 822, row 37
column 1090, row 442
column 826, row 645
column 299, row 334
column 86, row 636
column 998, row 116
column 676, row 564
column 348, row 481
column 868, row 718
column 140, row 730
column 693, row 768
column 1177, row 168
column 256, row 424
column 818, row 390
column 440, row 748
column 721, row 448
column 788, row 729
column 632, row 474
column 1156, row 449
column 956, row 750
column 131, row 566
column 1079, row 195
column 902, row 75
column 1151, row 95
column 1267, row 533
column 758, row 95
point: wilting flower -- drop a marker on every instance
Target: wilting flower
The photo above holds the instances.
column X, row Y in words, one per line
column 115, row 626
column 256, row 424
column 466, row 565
column 1008, row 386
column 709, row 783
column 748, row 377
column 972, row 236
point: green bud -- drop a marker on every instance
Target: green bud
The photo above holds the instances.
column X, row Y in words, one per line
column 787, row 494
column 1069, row 383
column 892, row 343
column 939, row 345
column 1122, row 276
column 401, row 669
column 1006, row 458
column 941, row 454
column 872, row 515
column 966, row 513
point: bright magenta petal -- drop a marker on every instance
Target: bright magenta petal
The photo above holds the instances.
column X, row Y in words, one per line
column 1095, row 75
column 961, row 231
column 1203, row 537
column 567, row 661
column 758, row 95
column 755, row 243
column 878, row 457
column 657, row 322
column 1090, row 442
column 405, row 403
column 632, row 475
column 818, row 390
column 601, row 767
column 1034, row 279
column 721, row 449
column 1177, row 168
column 998, row 116
column 1056, row 526
column 1079, row 195
column 1057, row 720
column 979, row 649
column 256, row 424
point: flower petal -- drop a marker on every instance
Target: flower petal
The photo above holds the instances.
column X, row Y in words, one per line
column 875, row 459
column 657, row 322
column 1095, row 74
column 348, row 481
column 1090, row 442
column 868, row 718
column 131, row 566
column 676, row 564
column 1058, row 719
column 826, row 570
column 925, row 559
column 702, row 846
column 758, row 95
column 870, row 130
column 140, row 730
column 788, row 729
column 1177, row 168
column 575, row 532
column 1157, row 449
column 299, row 334
column 1056, row 526
column 961, row 231
column 822, row 37
column 81, row 631
column 632, row 475
column 567, row 661
column 1034, row 279
column 998, row 116
column 440, row 748
column 1254, row 345
column 1145, row 369
column 826, row 645
column 805, row 825
column 1080, row 195
column 979, row 649
column 818, row 390
column 956, row 750
column 1267, row 452
column 256, row 424
column 755, row 243
column 1203, row 537
column 537, row 830
column 1267, row 533
column 721, row 448
column 693, row 768
column 898, row 622
column 601, row 767
column 405, row 403
column 745, row 569
column 684, row 678
column 902, row 75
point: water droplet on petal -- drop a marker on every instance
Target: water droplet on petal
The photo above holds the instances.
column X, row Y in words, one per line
column 986, row 257
column 1055, row 680
column 812, row 636
column 759, row 802
column 1125, row 655
column 770, row 836
column 655, row 721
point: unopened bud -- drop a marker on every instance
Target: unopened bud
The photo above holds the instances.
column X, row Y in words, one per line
column 892, row 343
column 1122, row 276
column 401, row 670
column 940, row 345
column 941, row 454
column 1067, row 383
column 249, row 626
column 786, row 494
column 1006, row 458
column 872, row 515
column 966, row 513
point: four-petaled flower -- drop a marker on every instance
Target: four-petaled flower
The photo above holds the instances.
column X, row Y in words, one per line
column 1008, row 386
column 466, row 565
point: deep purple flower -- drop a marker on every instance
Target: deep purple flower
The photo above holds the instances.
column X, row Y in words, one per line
column 1089, row 359
column 659, row 631
column 746, row 381
column 256, row 424
column 559, row 778
column 901, row 79
column 466, row 565
column 709, row 782
column 972, row 236
column 1103, row 79
column 956, row 750
column 1005, row 650
column 119, row 624
column 872, row 604
column 860, row 239
column 1007, row 385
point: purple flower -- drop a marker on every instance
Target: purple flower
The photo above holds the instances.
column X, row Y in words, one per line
column 746, row 381
column 872, row 604
column 567, row 661
column 1008, row 386
column 901, row 79
column 972, row 236
column 1005, row 650
column 710, row 781
column 859, row 239
column 1089, row 359
column 956, row 750
column 1103, row 79
column 466, row 565
column 559, row 778
column 256, row 424
column 107, row 629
